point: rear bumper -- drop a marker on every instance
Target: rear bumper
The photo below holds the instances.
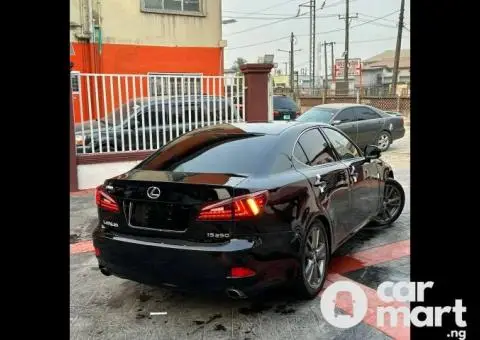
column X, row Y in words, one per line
column 398, row 133
column 194, row 266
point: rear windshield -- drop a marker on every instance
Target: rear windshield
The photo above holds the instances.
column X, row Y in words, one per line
column 317, row 114
column 284, row 103
column 213, row 153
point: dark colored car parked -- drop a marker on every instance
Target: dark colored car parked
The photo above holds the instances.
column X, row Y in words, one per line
column 363, row 124
column 130, row 123
column 284, row 108
column 241, row 207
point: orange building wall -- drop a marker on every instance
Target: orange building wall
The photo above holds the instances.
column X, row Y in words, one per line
column 135, row 59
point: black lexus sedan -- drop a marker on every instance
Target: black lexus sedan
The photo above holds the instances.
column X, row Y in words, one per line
column 237, row 208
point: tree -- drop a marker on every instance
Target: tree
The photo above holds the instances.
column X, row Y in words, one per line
column 238, row 62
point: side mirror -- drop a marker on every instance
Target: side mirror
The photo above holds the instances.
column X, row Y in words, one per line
column 336, row 122
column 372, row 152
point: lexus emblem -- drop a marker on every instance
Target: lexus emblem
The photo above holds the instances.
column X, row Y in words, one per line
column 153, row 192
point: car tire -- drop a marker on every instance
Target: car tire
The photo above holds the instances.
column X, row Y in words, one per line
column 312, row 273
column 384, row 140
column 393, row 191
column 112, row 146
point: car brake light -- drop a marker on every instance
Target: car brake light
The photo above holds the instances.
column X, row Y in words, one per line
column 241, row 207
column 105, row 201
column 97, row 252
column 239, row 272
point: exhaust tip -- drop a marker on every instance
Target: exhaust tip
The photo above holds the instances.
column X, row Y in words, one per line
column 105, row 271
column 235, row 294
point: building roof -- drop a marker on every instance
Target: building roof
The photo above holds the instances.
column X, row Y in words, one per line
column 387, row 59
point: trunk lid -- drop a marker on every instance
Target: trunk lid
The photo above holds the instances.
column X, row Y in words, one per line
column 166, row 204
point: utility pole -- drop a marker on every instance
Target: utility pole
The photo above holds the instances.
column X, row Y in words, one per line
column 312, row 6
column 325, row 83
column 333, row 60
column 347, row 25
column 398, row 48
column 331, row 43
column 291, row 53
column 313, row 9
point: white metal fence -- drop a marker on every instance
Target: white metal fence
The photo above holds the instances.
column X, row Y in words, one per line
column 119, row 112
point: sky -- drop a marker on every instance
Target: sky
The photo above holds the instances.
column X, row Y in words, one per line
column 366, row 40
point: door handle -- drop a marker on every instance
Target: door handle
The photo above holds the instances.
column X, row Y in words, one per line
column 320, row 184
column 353, row 174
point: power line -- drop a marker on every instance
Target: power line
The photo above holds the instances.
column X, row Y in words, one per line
column 374, row 17
column 336, row 42
column 278, row 18
column 268, row 24
column 285, row 19
column 269, row 7
column 257, row 12
column 353, row 26
column 378, row 23
column 259, row 43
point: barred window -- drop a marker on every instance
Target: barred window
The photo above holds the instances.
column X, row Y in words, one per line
column 175, row 6
column 166, row 84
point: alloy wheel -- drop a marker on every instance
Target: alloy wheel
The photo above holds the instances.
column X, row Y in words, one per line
column 315, row 258
column 383, row 141
column 392, row 202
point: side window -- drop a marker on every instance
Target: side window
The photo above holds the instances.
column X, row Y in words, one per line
column 300, row 154
column 342, row 145
column 346, row 116
column 315, row 147
column 150, row 117
column 364, row 113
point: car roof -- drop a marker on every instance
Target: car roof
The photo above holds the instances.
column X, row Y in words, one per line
column 338, row 105
column 271, row 128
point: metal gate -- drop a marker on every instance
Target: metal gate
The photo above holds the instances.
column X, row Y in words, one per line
column 139, row 112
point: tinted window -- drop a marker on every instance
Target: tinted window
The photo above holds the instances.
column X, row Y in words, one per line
column 316, row 148
column 316, row 114
column 150, row 117
column 364, row 113
column 342, row 145
column 286, row 103
column 347, row 115
column 282, row 163
column 213, row 152
column 300, row 154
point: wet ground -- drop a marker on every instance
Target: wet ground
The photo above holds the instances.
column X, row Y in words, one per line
column 111, row 308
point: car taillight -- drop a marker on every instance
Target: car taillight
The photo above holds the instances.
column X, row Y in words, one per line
column 298, row 114
column 105, row 201
column 241, row 207
column 276, row 113
column 239, row 272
